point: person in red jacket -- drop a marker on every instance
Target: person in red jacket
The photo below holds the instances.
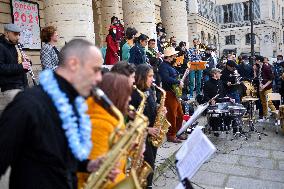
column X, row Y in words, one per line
column 112, row 47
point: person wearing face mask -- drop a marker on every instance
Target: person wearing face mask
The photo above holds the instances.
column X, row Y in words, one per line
column 278, row 70
column 138, row 52
column 245, row 69
column 265, row 77
column 112, row 47
column 195, row 56
column 160, row 44
column 169, row 76
column 229, row 81
column 13, row 67
column 173, row 41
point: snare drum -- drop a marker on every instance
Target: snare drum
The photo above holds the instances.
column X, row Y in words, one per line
column 217, row 119
column 281, row 117
column 237, row 110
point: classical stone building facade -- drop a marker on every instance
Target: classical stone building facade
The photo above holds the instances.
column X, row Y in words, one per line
column 90, row 19
column 223, row 23
column 235, row 26
column 202, row 21
column 228, row 20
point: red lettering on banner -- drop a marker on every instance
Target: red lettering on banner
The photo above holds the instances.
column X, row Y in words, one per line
column 31, row 18
column 23, row 17
column 16, row 16
column 29, row 7
column 16, row 5
column 21, row 6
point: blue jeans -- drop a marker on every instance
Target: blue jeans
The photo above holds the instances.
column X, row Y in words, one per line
column 235, row 95
column 192, row 77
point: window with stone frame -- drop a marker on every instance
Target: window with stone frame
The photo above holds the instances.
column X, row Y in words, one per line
column 248, row 39
column 228, row 13
column 246, row 10
column 273, row 10
column 230, row 40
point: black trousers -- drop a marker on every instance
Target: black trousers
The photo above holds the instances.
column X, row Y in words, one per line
column 150, row 157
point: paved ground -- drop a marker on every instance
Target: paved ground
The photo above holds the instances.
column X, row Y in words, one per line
column 238, row 164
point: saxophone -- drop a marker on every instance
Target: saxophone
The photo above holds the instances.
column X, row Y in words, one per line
column 141, row 167
column 161, row 121
column 99, row 179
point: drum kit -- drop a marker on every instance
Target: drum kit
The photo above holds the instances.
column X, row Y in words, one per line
column 228, row 117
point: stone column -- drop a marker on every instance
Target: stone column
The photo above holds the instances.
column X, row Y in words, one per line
column 103, row 11
column 174, row 17
column 72, row 18
column 141, row 15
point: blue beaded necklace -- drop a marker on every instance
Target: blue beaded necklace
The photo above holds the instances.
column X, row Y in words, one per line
column 78, row 136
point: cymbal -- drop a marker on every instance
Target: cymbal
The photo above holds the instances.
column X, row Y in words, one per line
column 249, row 98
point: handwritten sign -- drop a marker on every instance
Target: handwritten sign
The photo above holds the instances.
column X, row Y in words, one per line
column 26, row 16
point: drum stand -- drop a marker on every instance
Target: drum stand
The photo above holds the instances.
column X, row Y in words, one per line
column 251, row 123
column 238, row 134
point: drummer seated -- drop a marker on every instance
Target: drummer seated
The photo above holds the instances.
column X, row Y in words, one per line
column 214, row 86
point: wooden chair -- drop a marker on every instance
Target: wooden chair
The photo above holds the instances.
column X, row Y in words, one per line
column 276, row 115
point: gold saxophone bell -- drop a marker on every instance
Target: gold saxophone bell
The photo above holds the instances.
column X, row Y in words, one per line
column 161, row 121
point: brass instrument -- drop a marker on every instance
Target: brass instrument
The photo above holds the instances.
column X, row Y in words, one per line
column 161, row 121
column 141, row 167
column 98, row 179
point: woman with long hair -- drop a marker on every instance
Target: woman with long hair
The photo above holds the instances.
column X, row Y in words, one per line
column 143, row 79
column 112, row 47
column 104, row 122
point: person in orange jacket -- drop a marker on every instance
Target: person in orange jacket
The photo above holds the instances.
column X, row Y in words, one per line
column 104, row 122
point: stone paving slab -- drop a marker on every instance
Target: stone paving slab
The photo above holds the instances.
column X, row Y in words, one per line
column 272, row 175
column 249, row 183
column 225, row 158
column 241, row 164
column 209, row 178
column 256, row 162
column 253, row 152
column 229, row 169
column 279, row 155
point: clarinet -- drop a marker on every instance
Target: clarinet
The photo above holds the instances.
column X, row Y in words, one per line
column 20, row 46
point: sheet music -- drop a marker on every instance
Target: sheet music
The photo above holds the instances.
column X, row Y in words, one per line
column 196, row 150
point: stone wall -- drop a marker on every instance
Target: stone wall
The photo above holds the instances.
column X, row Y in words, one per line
column 72, row 19
column 6, row 17
column 141, row 15
column 174, row 17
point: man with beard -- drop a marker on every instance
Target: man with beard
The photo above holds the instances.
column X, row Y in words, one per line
column 169, row 76
column 13, row 69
